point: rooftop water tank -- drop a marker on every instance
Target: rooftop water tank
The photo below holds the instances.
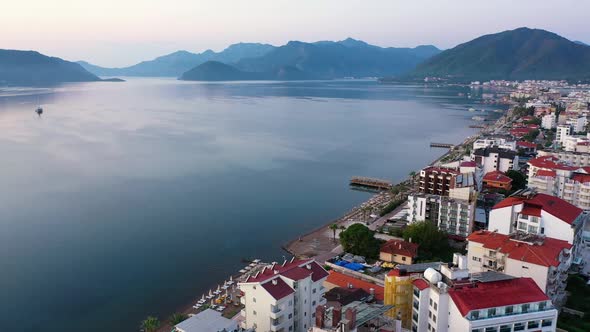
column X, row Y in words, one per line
column 432, row 275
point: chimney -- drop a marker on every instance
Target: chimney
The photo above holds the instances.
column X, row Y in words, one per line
column 336, row 315
column 351, row 317
column 320, row 316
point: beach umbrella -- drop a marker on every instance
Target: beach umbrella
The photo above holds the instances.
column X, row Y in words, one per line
column 203, row 297
column 231, row 278
column 210, row 293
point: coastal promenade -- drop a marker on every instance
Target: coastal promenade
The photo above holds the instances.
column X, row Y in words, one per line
column 320, row 243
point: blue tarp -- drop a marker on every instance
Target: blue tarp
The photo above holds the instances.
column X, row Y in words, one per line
column 354, row 266
column 350, row 266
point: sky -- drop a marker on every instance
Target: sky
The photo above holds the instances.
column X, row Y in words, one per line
column 115, row 33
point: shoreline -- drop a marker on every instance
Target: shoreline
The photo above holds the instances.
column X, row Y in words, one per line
column 299, row 247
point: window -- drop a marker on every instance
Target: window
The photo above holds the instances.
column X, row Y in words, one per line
column 525, row 307
column 313, row 314
column 522, row 226
column 475, row 314
column 313, row 291
column 475, row 258
column 313, row 303
column 546, row 322
column 290, row 316
column 509, row 310
column 435, row 306
column 475, row 330
column 254, row 312
column 291, row 328
column 519, row 327
column 305, row 314
column 542, row 230
column 491, row 329
column 533, row 324
column 431, row 302
column 492, row 312
column 505, row 328
column 254, row 299
column 429, row 314
column 542, row 305
column 404, row 258
column 429, row 327
column 434, row 318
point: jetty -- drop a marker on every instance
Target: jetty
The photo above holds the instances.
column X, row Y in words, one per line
column 371, row 182
column 441, row 145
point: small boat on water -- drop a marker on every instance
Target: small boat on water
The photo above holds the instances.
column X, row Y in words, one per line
column 39, row 110
column 478, row 118
column 471, row 109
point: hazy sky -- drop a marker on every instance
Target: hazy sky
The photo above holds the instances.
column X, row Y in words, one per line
column 124, row 32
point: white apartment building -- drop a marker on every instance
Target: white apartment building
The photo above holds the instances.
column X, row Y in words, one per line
column 543, row 259
column 562, row 132
column 567, row 157
column 495, row 159
column 538, row 214
column 577, row 124
column 501, row 143
column 487, row 301
column 551, row 176
column 454, row 216
column 548, row 121
column 283, row 297
column 576, row 143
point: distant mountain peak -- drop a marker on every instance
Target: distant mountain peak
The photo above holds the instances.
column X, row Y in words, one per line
column 522, row 53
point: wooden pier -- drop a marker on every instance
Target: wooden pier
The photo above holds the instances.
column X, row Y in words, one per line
column 442, row 145
column 371, row 182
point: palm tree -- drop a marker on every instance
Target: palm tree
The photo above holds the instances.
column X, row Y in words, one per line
column 334, row 227
column 176, row 318
column 150, row 324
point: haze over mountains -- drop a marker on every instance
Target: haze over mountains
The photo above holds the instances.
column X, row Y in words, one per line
column 295, row 60
column 30, row 68
column 174, row 64
column 512, row 55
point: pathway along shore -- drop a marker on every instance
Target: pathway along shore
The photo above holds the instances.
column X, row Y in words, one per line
column 320, row 243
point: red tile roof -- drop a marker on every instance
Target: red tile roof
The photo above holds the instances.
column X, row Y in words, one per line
column 545, row 172
column 526, row 144
column 297, row 273
column 421, row 284
column 342, row 280
column 277, row 288
column 546, row 254
column 550, row 204
column 468, row 164
column 399, row 247
column 582, row 178
column 497, row 176
column 496, row 294
column 550, row 162
column 317, row 272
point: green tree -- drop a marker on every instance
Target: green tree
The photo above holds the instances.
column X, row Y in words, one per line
column 358, row 239
column 177, row 318
column 531, row 135
column 434, row 244
column 150, row 324
column 518, row 179
column 334, row 228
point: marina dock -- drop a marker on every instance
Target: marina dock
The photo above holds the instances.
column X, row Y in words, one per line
column 442, row 145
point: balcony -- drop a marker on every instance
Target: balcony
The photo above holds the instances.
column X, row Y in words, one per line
column 276, row 312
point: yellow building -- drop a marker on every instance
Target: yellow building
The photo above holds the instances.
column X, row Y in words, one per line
column 398, row 292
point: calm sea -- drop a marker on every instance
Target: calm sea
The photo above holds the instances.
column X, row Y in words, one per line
column 129, row 199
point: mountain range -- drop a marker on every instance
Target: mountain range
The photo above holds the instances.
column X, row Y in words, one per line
column 295, row 60
column 30, row 68
column 174, row 64
column 517, row 54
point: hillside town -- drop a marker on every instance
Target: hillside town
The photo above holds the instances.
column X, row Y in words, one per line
column 492, row 237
